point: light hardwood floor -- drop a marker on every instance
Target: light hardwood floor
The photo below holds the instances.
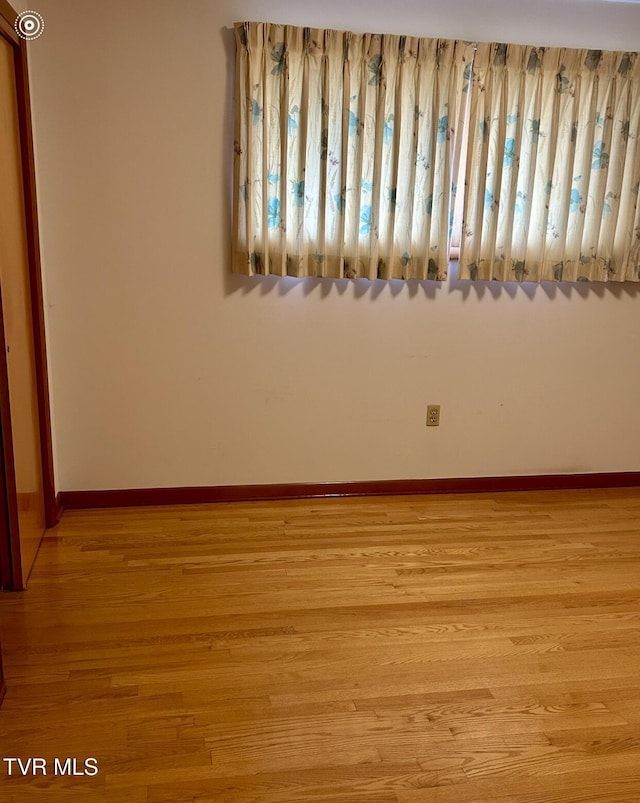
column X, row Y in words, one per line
column 435, row 649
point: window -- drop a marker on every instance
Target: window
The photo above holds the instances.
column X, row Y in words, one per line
column 344, row 148
column 346, row 145
column 553, row 166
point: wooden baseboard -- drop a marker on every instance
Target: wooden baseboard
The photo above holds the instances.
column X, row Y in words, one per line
column 134, row 497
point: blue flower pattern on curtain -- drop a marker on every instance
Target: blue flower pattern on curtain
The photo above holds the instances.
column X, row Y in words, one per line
column 343, row 152
column 345, row 145
column 553, row 166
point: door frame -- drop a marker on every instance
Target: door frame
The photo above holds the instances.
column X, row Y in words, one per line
column 11, row 574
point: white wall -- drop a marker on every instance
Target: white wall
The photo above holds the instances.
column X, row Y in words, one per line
column 167, row 370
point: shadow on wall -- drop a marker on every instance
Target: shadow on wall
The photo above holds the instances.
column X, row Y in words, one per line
column 265, row 285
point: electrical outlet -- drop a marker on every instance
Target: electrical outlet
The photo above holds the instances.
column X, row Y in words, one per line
column 433, row 415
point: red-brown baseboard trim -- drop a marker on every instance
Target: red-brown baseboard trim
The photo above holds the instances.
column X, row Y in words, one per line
column 134, row 497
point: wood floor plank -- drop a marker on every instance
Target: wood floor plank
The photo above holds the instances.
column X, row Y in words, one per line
column 441, row 649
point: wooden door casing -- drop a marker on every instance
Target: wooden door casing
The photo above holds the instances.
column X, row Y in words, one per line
column 17, row 323
column 34, row 497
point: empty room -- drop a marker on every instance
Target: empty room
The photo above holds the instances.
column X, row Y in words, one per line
column 319, row 401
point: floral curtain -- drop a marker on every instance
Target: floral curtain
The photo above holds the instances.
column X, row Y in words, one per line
column 553, row 166
column 343, row 152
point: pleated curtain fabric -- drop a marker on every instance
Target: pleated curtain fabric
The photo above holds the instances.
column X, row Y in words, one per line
column 344, row 145
column 553, row 166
